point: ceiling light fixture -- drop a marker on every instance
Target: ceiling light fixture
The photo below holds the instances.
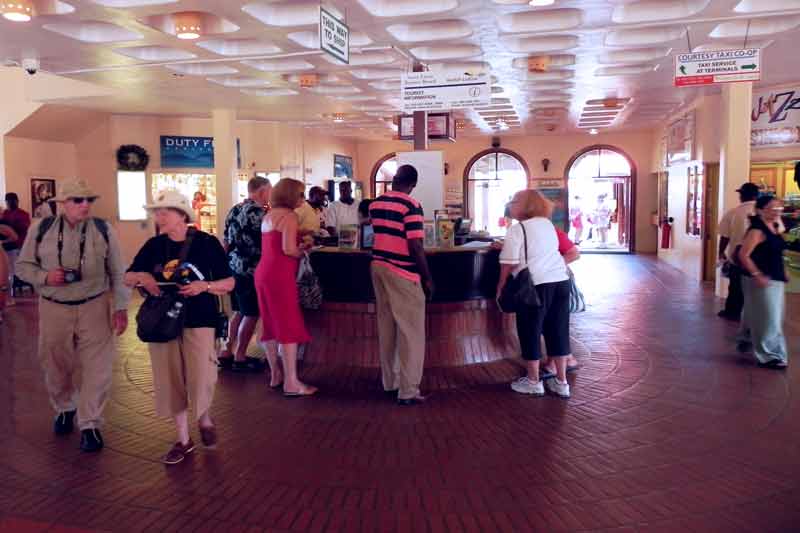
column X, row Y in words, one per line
column 593, row 131
column 17, row 10
column 541, row 3
column 188, row 25
column 338, row 117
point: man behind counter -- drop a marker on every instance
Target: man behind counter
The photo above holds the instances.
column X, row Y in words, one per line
column 343, row 211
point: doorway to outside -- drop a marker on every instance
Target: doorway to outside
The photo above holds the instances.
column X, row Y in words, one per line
column 599, row 191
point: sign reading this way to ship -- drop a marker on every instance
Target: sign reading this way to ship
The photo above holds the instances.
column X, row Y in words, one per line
column 334, row 36
column 721, row 66
column 440, row 91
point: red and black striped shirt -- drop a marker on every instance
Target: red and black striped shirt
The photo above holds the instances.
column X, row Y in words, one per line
column 396, row 218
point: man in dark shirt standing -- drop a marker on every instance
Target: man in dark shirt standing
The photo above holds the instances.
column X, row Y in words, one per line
column 19, row 220
column 243, row 244
column 401, row 280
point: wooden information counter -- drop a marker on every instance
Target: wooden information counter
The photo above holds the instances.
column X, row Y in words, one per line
column 463, row 324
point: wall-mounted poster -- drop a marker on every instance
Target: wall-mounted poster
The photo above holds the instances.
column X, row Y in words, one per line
column 187, row 152
column 776, row 118
column 555, row 191
column 342, row 166
column 680, row 140
column 43, row 192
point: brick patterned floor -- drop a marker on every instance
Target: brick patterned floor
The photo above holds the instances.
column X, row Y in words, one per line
column 669, row 429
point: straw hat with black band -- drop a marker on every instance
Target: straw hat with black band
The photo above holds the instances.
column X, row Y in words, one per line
column 75, row 189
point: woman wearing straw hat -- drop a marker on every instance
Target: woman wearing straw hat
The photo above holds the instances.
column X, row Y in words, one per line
column 184, row 369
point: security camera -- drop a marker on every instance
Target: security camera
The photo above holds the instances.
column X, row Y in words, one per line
column 31, row 65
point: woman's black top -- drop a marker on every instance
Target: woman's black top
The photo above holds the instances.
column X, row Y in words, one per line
column 768, row 256
column 160, row 257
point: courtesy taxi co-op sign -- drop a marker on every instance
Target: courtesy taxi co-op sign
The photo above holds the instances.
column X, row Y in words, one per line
column 720, row 66
column 187, row 152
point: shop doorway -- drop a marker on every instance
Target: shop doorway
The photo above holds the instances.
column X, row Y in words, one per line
column 600, row 182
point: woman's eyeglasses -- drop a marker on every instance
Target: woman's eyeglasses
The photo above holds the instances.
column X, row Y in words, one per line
column 80, row 200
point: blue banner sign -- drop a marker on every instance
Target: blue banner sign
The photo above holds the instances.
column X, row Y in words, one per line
column 187, row 152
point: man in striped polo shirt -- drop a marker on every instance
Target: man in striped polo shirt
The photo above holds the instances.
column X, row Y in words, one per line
column 401, row 281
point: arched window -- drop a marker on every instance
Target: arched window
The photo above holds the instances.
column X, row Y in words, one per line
column 382, row 174
column 490, row 180
column 601, row 182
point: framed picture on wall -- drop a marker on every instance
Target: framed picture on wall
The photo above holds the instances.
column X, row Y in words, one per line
column 342, row 166
column 695, row 201
column 43, row 192
column 680, row 140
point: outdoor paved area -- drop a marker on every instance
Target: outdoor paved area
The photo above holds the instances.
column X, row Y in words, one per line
column 669, row 429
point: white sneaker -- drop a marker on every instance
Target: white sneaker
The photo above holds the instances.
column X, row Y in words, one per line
column 524, row 385
column 558, row 388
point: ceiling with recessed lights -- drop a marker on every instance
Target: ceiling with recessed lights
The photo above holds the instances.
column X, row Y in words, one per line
column 569, row 66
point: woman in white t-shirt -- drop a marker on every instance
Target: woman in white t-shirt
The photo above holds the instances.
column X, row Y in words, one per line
column 549, row 274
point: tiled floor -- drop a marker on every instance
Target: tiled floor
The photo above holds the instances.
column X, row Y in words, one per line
column 668, row 430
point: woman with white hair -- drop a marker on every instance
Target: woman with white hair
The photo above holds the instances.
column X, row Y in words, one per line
column 194, row 264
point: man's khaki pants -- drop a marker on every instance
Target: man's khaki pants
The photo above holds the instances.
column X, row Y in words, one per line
column 400, row 306
column 184, row 372
column 77, row 351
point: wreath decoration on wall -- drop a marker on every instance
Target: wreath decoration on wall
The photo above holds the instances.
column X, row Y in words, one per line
column 132, row 157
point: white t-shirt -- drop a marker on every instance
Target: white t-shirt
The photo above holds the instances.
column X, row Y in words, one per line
column 544, row 262
column 340, row 214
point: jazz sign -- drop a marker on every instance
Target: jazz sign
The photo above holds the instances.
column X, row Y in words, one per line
column 721, row 66
column 334, row 36
column 775, row 118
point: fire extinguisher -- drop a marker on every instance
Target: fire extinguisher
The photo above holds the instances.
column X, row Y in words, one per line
column 666, row 232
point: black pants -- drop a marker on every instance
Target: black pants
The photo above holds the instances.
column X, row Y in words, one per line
column 735, row 300
column 551, row 320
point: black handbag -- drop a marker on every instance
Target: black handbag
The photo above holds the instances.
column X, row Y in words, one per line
column 161, row 318
column 519, row 291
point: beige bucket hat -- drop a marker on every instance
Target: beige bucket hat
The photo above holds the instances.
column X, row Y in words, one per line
column 171, row 198
column 74, row 189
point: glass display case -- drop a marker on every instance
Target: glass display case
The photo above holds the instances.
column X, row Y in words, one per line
column 201, row 191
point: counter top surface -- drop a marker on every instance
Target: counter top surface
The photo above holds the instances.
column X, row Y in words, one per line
column 483, row 248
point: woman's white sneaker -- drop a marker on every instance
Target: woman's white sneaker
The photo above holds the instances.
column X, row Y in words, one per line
column 524, row 385
column 560, row 389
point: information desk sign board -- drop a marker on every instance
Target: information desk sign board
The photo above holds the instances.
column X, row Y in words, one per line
column 721, row 66
column 439, row 91
column 334, row 36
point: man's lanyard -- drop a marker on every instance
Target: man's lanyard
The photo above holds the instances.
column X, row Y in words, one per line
column 82, row 247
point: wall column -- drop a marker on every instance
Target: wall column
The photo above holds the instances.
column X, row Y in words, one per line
column 224, row 121
column 734, row 157
column 15, row 107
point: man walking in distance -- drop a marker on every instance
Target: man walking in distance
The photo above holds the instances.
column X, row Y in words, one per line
column 19, row 220
column 402, row 281
column 243, row 244
column 74, row 263
column 732, row 227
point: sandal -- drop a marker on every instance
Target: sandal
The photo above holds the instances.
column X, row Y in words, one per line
column 307, row 391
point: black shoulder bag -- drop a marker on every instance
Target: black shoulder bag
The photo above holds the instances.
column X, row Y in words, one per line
column 161, row 318
column 519, row 291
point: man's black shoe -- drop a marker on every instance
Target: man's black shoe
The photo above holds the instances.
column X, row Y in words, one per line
column 64, row 423
column 728, row 316
column 417, row 400
column 91, row 440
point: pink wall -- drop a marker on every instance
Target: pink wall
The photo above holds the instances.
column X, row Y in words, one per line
column 30, row 158
column 559, row 149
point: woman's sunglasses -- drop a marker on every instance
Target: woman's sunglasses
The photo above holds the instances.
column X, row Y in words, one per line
column 80, row 200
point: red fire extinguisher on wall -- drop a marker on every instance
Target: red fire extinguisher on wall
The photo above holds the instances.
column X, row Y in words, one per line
column 666, row 232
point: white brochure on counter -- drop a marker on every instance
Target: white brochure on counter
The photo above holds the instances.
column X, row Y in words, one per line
column 441, row 91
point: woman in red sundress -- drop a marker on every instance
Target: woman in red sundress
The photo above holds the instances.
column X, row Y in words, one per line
column 276, row 286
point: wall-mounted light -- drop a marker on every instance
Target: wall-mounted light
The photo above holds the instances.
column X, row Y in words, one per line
column 338, row 117
column 17, row 10
column 593, row 131
column 541, row 3
column 188, row 25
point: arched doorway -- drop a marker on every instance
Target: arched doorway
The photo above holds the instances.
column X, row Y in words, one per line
column 382, row 173
column 490, row 180
column 600, row 185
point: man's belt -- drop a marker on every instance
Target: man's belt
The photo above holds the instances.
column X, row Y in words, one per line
column 74, row 302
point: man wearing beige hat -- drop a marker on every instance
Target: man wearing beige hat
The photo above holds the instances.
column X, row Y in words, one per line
column 73, row 261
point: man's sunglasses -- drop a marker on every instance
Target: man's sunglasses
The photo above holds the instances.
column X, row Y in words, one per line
column 80, row 200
